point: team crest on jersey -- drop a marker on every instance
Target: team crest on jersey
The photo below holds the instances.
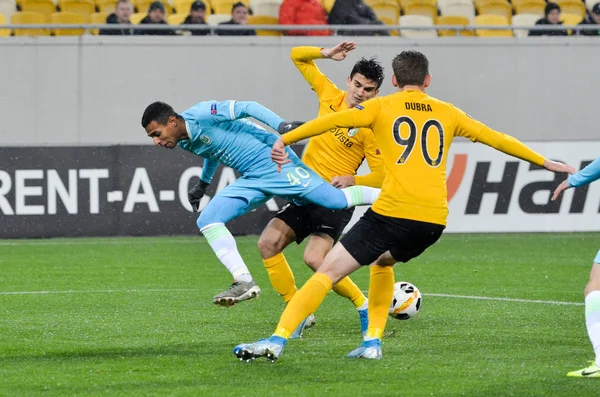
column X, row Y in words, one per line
column 213, row 109
column 206, row 140
column 352, row 132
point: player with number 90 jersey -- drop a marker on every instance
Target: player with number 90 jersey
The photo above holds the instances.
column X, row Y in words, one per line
column 414, row 132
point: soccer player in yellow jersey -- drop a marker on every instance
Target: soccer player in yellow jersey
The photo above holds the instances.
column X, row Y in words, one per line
column 414, row 132
column 335, row 156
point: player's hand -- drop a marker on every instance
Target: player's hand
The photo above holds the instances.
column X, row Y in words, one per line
column 555, row 166
column 196, row 193
column 288, row 126
column 340, row 51
column 343, row 181
column 561, row 188
column 279, row 155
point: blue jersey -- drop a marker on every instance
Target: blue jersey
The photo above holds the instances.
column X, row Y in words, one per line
column 219, row 132
column 587, row 175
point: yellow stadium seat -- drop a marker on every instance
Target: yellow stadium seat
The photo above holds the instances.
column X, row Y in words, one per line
column 416, row 20
column 576, row 7
column 264, row 20
column 98, row 18
column 183, row 6
column 29, row 18
column 328, row 5
column 421, row 9
column 144, row 5
column 3, row 32
column 570, row 19
column 524, row 20
column 496, row 7
column 85, row 8
column 67, row 18
column 492, row 20
column 222, row 6
column 530, row 7
column 137, row 17
column 106, row 5
column 176, row 19
column 453, row 20
column 45, row 7
column 405, row 3
column 387, row 11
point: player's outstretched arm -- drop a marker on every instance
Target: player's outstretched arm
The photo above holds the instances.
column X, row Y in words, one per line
column 242, row 110
column 587, row 175
column 338, row 52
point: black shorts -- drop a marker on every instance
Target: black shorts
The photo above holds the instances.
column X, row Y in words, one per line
column 305, row 220
column 375, row 234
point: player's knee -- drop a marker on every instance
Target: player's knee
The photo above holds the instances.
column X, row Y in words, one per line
column 313, row 260
column 205, row 219
column 268, row 246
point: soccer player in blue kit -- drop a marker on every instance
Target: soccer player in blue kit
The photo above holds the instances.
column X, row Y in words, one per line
column 587, row 175
column 220, row 133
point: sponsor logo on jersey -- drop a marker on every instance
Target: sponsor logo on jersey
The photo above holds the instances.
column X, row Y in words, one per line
column 213, row 109
column 206, row 140
column 359, row 107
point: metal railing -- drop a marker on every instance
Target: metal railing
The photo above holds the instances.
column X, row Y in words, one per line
column 336, row 29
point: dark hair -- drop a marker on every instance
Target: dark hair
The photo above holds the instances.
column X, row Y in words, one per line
column 369, row 68
column 410, row 68
column 159, row 112
column 238, row 4
column 156, row 5
column 550, row 6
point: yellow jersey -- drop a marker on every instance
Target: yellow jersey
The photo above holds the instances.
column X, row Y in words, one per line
column 342, row 150
column 414, row 132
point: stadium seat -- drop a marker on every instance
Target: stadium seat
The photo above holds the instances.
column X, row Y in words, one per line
column 404, row 3
column 492, row 20
column 137, row 17
column 421, row 9
column 572, row 7
column 98, row 18
column 29, row 18
column 45, row 7
column 106, row 5
column 264, row 20
column 183, row 7
column 65, row 17
column 590, row 3
column 461, row 10
column 222, row 6
column 530, row 7
column 84, row 8
column 176, row 19
column 327, row 4
column 570, row 19
column 453, row 20
column 496, row 7
column 416, row 20
column 3, row 32
column 216, row 19
column 524, row 20
column 7, row 8
column 144, row 5
column 266, row 7
column 388, row 11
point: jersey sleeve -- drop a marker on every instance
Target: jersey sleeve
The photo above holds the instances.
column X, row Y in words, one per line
column 303, row 58
column 212, row 113
column 375, row 161
column 208, row 170
column 476, row 131
column 360, row 116
column 587, row 175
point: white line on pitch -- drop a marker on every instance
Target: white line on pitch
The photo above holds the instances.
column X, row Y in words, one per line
column 128, row 241
column 489, row 298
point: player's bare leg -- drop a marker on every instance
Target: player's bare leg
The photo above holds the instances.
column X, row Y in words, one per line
column 337, row 264
column 592, row 320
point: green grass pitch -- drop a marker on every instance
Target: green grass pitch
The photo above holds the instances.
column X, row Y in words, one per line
column 133, row 317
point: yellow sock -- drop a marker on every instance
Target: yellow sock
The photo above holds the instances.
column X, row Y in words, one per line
column 281, row 276
column 346, row 288
column 381, row 292
column 305, row 302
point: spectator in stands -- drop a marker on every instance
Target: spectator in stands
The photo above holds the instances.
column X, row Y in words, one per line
column 239, row 16
column 552, row 18
column 354, row 12
column 123, row 11
column 592, row 18
column 303, row 12
column 156, row 16
column 196, row 17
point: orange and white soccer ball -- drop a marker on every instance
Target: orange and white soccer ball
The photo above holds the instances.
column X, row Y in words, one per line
column 406, row 302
